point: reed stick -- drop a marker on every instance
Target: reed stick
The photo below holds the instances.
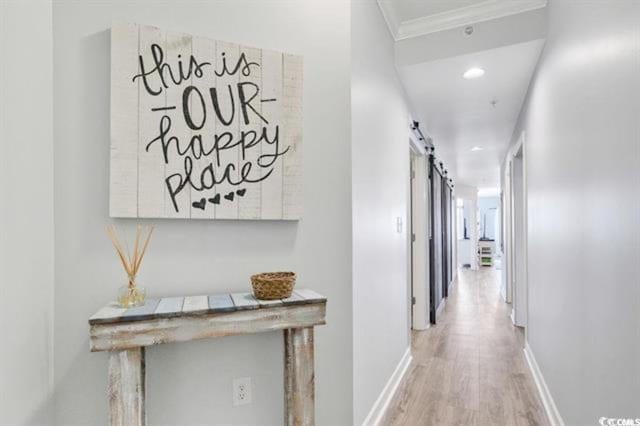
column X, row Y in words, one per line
column 131, row 261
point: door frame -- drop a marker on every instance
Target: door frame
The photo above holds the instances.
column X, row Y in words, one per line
column 516, row 224
column 444, row 199
column 418, row 234
column 507, row 231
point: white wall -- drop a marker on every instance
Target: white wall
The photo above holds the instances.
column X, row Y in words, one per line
column 583, row 179
column 465, row 247
column 26, row 212
column 489, row 206
column 191, row 383
column 380, row 138
column 470, row 196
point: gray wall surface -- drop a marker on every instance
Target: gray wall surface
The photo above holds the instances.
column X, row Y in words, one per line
column 26, row 212
column 191, row 383
column 380, row 157
column 583, row 178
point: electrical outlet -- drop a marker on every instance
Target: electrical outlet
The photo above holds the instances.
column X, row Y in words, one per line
column 242, row 391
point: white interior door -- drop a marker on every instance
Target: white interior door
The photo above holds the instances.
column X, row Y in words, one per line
column 515, row 237
column 519, row 243
column 508, row 233
column 419, row 244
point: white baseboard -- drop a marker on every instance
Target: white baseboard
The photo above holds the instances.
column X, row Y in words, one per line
column 382, row 403
column 440, row 307
column 547, row 400
column 422, row 327
column 452, row 287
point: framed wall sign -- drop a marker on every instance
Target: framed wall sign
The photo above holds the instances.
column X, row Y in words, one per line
column 203, row 129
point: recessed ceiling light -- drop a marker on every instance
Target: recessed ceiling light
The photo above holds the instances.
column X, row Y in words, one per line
column 472, row 73
column 477, row 148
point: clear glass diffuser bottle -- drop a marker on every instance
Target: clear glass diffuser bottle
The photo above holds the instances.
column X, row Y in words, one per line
column 131, row 294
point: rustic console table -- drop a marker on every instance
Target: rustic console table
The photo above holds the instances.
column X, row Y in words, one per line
column 126, row 332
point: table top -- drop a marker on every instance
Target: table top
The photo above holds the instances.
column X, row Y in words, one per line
column 181, row 306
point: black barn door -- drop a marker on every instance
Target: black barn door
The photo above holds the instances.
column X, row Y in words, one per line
column 445, row 239
column 436, row 240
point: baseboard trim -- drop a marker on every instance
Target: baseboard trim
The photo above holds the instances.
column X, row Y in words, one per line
column 452, row 288
column 547, row 400
column 423, row 327
column 440, row 307
column 382, row 403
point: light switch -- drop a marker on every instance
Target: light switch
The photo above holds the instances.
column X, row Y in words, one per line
column 399, row 224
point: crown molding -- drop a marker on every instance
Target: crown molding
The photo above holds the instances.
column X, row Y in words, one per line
column 390, row 17
column 480, row 12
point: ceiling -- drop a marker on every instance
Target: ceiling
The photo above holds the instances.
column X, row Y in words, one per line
column 432, row 54
column 458, row 114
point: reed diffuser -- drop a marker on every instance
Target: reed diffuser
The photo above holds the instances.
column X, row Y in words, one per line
column 131, row 294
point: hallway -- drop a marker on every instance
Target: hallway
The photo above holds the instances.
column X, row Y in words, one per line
column 470, row 368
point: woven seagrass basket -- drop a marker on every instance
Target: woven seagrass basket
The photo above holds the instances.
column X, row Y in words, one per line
column 273, row 285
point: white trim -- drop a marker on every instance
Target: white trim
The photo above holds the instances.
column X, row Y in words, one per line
column 390, row 17
column 518, row 222
column 547, row 400
column 417, row 147
column 440, row 307
column 419, row 249
column 479, row 12
column 525, row 232
column 513, row 151
column 382, row 403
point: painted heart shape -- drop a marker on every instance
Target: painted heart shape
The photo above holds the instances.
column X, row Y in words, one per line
column 200, row 204
column 230, row 196
column 215, row 199
column 241, row 192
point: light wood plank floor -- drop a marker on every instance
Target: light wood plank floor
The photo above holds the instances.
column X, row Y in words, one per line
column 470, row 368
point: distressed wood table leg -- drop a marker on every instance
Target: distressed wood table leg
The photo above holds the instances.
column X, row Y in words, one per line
column 127, row 388
column 299, row 394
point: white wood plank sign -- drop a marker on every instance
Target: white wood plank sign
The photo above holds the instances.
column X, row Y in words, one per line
column 203, row 129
